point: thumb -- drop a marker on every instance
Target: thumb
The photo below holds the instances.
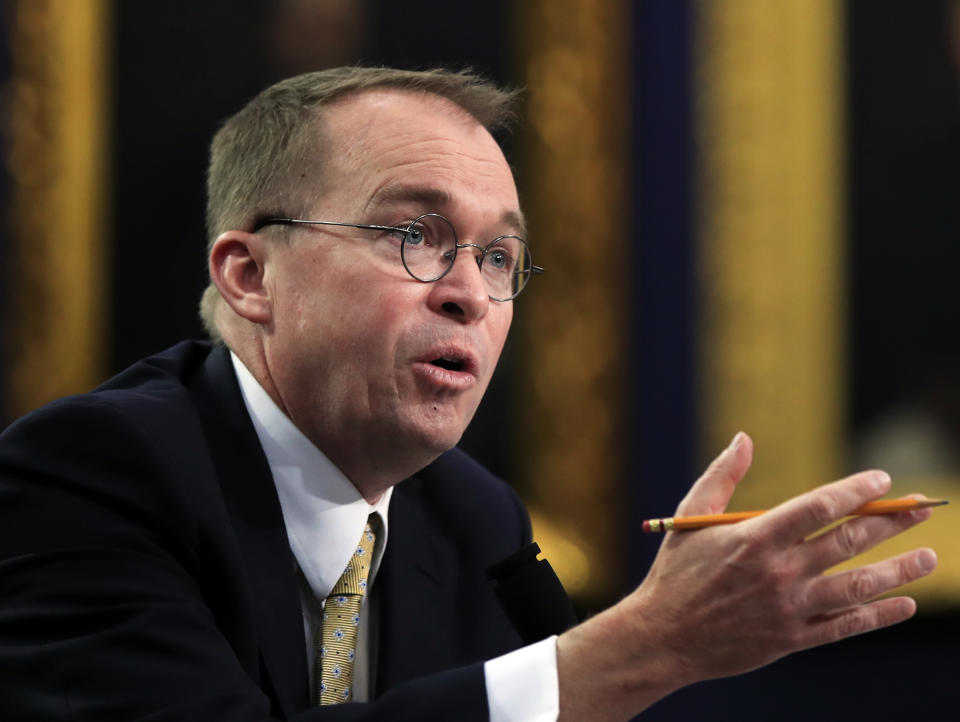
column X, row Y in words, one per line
column 712, row 491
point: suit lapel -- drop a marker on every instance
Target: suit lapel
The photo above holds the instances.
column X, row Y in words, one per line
column 416, row 596
column 258, row 521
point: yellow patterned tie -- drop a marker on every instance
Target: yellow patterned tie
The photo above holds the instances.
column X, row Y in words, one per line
column 337, row 637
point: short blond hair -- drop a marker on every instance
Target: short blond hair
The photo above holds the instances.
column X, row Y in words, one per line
column 257, row 155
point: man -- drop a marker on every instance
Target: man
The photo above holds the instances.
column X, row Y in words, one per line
column 173, row 543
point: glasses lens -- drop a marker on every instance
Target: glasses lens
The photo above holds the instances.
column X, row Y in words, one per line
column 506, row 267
column 428, row 247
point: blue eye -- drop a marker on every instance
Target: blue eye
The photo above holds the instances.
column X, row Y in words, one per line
column 498, row 259
column 414, row 236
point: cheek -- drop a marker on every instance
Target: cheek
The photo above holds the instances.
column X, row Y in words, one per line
column 370, row 319
column 500, row 326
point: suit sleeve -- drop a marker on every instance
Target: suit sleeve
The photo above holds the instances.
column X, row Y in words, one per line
column 107, row 586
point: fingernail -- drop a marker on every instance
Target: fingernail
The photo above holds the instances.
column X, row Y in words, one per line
column 735, row 442
column 881, row 482
column 926, row 561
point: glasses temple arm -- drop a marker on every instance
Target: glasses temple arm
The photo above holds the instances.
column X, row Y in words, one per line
column 297, row 221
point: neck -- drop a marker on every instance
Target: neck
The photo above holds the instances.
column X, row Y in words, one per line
column 372, row 466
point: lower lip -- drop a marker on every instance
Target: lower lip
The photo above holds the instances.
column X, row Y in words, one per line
column 444, row 378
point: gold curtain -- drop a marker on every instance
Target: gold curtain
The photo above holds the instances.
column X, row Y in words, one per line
column 57, row 160
column 573, row 180
column 770, row 97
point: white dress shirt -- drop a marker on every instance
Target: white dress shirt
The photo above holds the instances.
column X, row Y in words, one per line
column 324, row 515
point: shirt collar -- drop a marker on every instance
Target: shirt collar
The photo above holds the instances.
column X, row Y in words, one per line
column 322, row 510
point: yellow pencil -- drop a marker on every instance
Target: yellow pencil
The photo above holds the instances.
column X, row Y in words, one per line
column 686, row 523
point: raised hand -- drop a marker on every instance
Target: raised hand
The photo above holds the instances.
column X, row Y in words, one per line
column 728, row 599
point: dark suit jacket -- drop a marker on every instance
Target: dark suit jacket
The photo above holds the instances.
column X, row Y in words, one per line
column 145, row 570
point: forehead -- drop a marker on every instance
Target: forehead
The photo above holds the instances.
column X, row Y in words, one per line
column 389, row 148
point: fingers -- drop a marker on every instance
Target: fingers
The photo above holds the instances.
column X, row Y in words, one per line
column 854, row 537
column 712, row 491
column 801, row 516
column 840, row 602
column 859, row 620
column 844, row 590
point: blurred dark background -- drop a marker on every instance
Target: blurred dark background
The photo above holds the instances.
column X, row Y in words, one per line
column 177, row 69
column 181, row 68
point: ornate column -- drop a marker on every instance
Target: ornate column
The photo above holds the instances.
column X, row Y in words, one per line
column 770, row 90
column 573, row 179
column 57, row 158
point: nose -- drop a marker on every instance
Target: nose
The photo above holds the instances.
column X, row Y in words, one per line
column 462, row 293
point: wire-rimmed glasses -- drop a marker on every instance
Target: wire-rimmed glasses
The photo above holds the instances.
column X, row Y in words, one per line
column 428, row 249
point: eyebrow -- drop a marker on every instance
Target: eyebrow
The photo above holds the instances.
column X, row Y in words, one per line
column 429, row 197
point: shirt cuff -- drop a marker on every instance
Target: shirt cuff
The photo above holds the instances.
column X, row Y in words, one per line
column 522, row 686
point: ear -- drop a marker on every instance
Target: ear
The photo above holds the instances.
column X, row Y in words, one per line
column 237, row 270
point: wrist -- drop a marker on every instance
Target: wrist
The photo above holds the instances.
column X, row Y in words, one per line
column 613, row 666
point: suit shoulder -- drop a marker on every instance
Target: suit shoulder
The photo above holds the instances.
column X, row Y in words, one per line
column 143, row 397
column 460, row 478
column 135, row 442
column 469, row 497
column 146, row 393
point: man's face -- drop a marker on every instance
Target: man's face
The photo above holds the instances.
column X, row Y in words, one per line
column 357, row 350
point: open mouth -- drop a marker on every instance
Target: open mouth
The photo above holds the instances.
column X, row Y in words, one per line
column 449, row 363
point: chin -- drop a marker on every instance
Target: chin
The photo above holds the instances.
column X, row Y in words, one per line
column 436, row 429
